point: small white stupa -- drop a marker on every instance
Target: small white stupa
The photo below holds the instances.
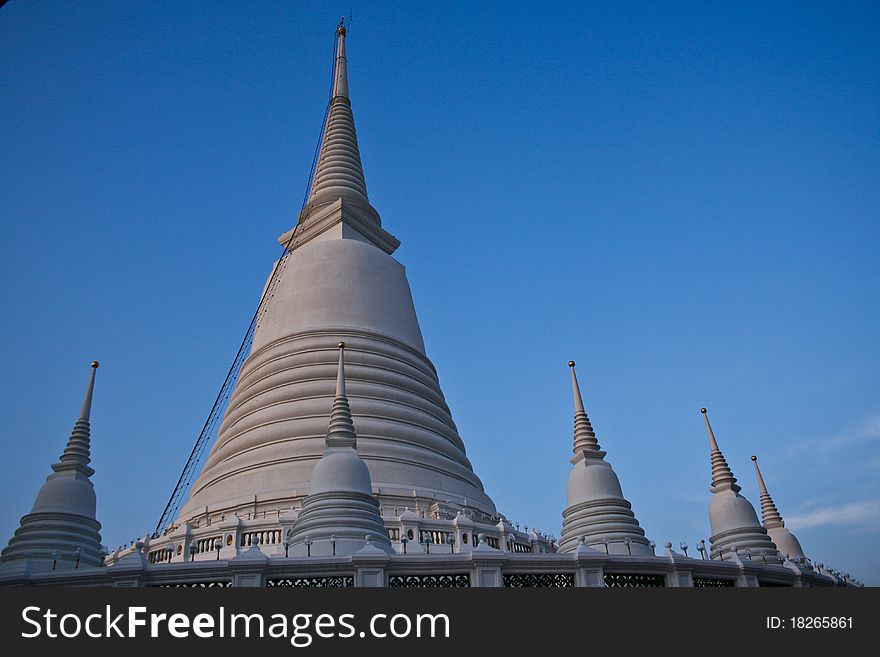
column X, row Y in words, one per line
column 340, row 512
column 61, row 532
column 785, row 541
column 732, row 517
column 597, row 514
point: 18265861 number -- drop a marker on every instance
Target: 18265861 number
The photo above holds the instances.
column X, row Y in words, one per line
column 821, row 622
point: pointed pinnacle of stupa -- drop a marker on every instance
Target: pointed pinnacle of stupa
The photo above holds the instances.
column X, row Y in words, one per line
column 584, row 436
column 77, row 454
column 722, row 476
column 341, row 433
column 339, row 173
column 340, row 70
column 769, row 513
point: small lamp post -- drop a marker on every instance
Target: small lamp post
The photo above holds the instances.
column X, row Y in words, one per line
column 628, row 542
column 56, row 555
column 701, row 546
column 333, row 543
column 403, row 542
column 684, row 547
column 218, row 545
column 429, row 538
column 749, row 553
column 308, row 543
column 653, row 546
column 193, row 548
column 605, row 542
column 451, row 539
column 286, row 547
column 78, row 553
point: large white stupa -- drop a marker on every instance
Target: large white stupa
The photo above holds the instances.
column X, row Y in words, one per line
column 337, row 462
column 338, row 281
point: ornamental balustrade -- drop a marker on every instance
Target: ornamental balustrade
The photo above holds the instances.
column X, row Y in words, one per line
column 543, row 580
column 338, row 581
column 634, row 580
column 712, row 582
column 460, row 580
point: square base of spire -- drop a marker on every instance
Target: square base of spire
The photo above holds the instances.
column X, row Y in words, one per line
column 340, row 219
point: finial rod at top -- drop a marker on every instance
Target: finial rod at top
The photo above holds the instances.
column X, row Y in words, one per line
column 340, row 73
column 87, row 402
column 762, row 487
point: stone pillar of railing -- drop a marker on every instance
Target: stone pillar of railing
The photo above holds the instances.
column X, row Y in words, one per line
column 590, row 563
column 249, row 567
column 748, row 577
column 464, row 527
column 409, row 528
column 287, row 519
column 486, row 563
column 230, row 526
column 799, row 580
column 370, row 566
column 179, row 538
column 130, row 570
column 680, row 573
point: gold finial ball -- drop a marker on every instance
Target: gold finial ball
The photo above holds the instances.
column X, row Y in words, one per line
column 95, row 364
column 571, row 363
column 703, row 410
column 341, row 345
column 754, row 458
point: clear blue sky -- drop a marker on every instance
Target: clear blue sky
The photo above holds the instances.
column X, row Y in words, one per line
column 682, row 198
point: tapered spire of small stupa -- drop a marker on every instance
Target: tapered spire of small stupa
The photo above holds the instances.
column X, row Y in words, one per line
column 732, row 517
column 597, row 513
column 341, row 430
column 584, row 436
column 722, row 476
column 77, row 453
column 61, row 531
column 773, row 522
column 769, row 512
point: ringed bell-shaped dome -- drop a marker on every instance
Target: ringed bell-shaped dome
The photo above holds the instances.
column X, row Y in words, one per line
column 273, row 432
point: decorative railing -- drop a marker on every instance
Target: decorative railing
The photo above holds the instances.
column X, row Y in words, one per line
column 433, row 536
column 161, row 556
column 712, row 582
column 209, row 544
column 545, row 580
column 195, row 585
column 340, row 581
column 634, row 580
column 429, row 581
column 266, row 537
